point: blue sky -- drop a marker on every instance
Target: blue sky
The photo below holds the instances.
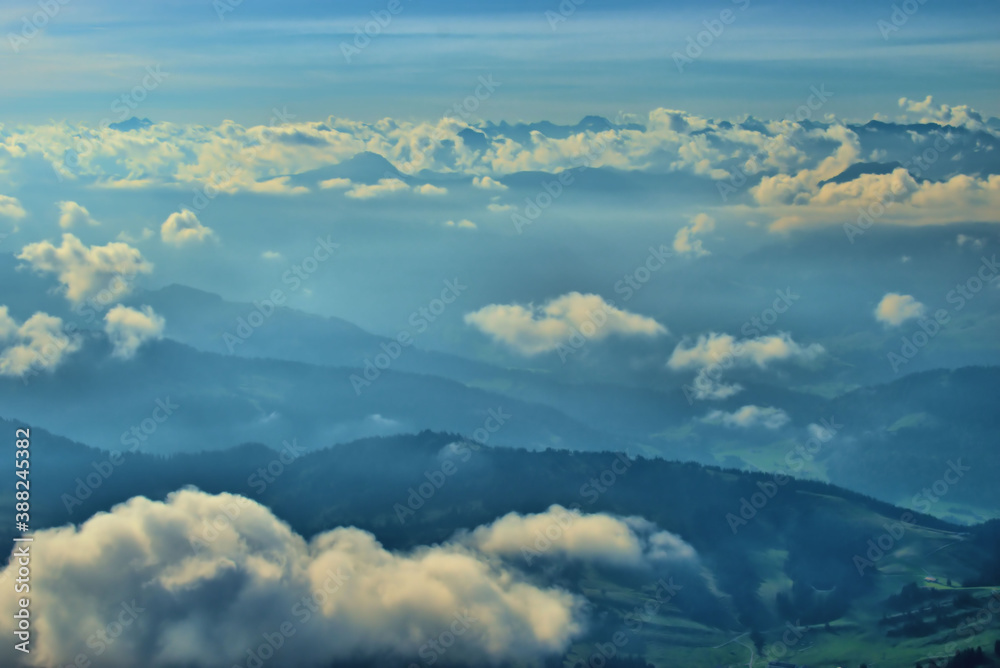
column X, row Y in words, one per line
column 604, row 58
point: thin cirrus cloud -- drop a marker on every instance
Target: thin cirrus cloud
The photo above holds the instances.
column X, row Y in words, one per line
column 128, row 328
column 531, row 330
column 86, row 271
column 39, row 343
column 894, row 309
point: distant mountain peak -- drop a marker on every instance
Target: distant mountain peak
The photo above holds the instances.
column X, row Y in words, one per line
column 134, row 123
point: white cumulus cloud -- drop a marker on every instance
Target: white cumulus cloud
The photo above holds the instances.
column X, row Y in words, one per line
column 430, row 189
column 199, row 579
column 531, row 330
column 183, row 228
column 129, row 328
column 571, row 535
column 38, row 343
column 72, row 214
column 487, row 183
column 10, row 207
column 711, row 354
column 86, row 271
column 685, row 242
column 895, row 309
column 381, row 189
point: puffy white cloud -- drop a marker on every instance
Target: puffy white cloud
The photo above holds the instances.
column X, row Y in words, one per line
column 895, row 309
column 183, row 228
column 975, row 242
column 927, row 112
column 87, row 271
column 532, row 330
column 560, row 533
column 10, row 207
column 750, row 416
column 487, row 183
column 278, row 186
column 797, row 188
column 464, row 223
column 429, row 189
column 40, row 343
column 761, row 351
column 382, row 188
column 684, row 241
column 129, row 239
column 129, row 328
column 892, row 199
column 712, row 354
column 71, row 213
column 500, row 208
column 335, row 184
column 199, row 579
column 271, row 255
